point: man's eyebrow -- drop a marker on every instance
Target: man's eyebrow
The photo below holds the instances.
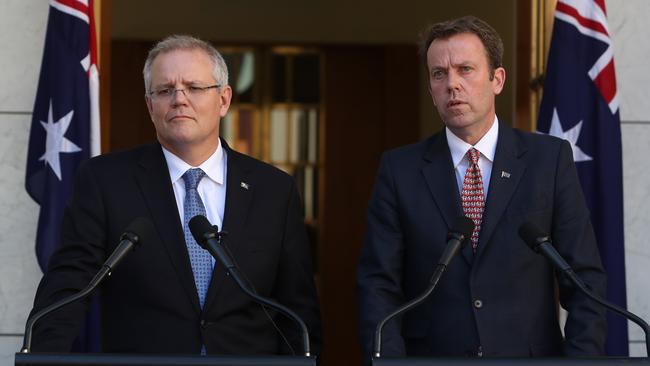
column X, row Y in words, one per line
column 169, row 84
column 164, row 85
column 436, row 67
column 463, row 63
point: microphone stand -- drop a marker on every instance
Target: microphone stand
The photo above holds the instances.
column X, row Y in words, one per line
column 637, row 320
column 27, row 341
column 456, row 241
column 126, row 244
column 223, row 257
column 540, row 242
column 440, row 269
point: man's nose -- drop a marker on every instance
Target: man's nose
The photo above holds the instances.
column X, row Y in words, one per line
column 453, row 81
column 179, row 97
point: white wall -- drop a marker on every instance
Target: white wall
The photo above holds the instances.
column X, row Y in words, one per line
column 628, row 28
column 22, row 29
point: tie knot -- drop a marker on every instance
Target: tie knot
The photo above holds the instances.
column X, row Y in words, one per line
column 472, row 155
column 192, row 177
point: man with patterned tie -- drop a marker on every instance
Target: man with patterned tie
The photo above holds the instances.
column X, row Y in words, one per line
column 170, row 295
column 498, row 298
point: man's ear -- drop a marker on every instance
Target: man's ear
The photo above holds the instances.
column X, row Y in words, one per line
column 226, row 96
column 499, row 80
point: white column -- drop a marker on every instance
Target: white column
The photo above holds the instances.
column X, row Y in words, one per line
column 628, row 28
column 22, row 32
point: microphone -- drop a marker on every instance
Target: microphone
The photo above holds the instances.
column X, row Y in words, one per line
column 208, row 237
column 540, row 242
column 458, row 235
column 128, row 241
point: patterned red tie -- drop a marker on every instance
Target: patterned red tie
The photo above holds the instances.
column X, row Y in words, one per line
column 472, row 196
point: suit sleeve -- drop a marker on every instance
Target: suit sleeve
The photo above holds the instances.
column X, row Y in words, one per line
column 379, row 274
column 71, row 267
column 295, row 282
column 574, row 238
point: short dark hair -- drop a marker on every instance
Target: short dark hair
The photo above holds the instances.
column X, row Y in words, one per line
column 490, row 39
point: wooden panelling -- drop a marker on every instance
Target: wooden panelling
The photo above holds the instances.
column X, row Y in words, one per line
column 130, row 121
column 371, row 105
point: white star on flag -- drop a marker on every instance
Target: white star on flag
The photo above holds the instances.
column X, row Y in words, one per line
column 55, row 142
column 570, row 135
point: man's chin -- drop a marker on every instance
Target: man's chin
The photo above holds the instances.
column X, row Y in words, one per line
column 457, row 122
column 177, row 140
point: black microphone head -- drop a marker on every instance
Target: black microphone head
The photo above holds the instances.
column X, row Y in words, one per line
column 202, row 229
column 463, row 226
column 138, row 228
column 532, row 235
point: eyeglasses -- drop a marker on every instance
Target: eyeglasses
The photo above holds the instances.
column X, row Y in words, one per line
column 189, row 92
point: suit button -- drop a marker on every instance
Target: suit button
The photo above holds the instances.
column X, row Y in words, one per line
column 478, row 303
column 202, row 323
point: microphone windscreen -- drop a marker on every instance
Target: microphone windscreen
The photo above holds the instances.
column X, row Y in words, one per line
column 200, row 226
column 463, row 225
column 140, row 227
column 531, row 234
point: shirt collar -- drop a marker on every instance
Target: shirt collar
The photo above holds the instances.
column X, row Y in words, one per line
column 213, row 167
column 487, row 145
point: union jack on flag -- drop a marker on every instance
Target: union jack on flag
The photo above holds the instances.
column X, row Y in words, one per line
column 580, row 104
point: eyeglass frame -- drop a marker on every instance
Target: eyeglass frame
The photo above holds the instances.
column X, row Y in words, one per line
column 187, row 91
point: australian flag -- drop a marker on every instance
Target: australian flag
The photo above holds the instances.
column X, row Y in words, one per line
column 65, row 121
column 580, row 104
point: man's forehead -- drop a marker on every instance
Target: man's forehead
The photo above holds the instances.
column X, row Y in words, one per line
column 458, row 48
column 189, row 63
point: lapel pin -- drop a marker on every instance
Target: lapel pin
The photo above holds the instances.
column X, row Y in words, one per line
column 244, row 185
column 505, row 174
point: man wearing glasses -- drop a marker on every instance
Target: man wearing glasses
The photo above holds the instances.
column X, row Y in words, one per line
column 170, row 296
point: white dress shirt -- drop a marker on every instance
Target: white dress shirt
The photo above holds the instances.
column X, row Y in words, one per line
column 486, row 147
column 211, row 189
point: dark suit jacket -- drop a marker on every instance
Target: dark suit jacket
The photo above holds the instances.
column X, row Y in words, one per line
column 501, row 300
column 150, row 304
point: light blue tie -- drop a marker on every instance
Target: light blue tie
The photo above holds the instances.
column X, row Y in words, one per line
column 200, row 258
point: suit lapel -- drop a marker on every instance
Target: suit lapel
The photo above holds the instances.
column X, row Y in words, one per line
column 155, row 184
column 440, row 177
column 239, row 194
column 507, row 170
